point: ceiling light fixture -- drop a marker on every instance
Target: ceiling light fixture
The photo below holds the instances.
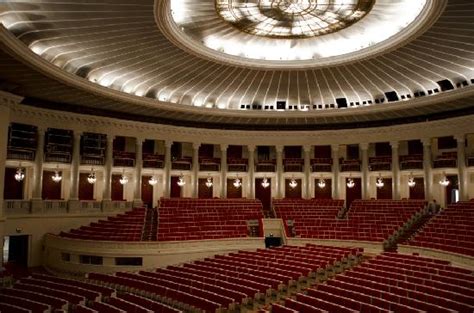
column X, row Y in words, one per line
column 19, row 175
column 56, row 177
column 265, row 183
column 350, row 183
column 124, row 179
column 321, row 183
column 153, row 180
column 92, row 178
column 293, row 183
column 209, row 182
column 411, row 181
column 181, row 181
column 237, row 183
column 444, row 181
column 379, row 183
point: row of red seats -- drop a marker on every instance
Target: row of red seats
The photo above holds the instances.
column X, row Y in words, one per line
column 122, row 227
column 390, row 282
column 367, row 220
column 194, row 219
column 451, row 230
column 228, row 281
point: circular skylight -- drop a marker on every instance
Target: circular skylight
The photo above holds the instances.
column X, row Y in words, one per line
column 292, row 18
column 291, row 33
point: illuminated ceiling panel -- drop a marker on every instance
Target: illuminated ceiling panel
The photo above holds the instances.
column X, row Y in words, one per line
column 292, row 18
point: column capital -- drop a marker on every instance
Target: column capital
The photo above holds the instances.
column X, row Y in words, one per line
column 426, row 142
column 394, row 144
column 110, row 139
column 224, row 147
column 251, row 148
column 279, row 148
column 307, row 148
column 335, row 147
column 460, row 138
column 139, row 140
column 168, row 143
column 196, row 145
column 364, row 145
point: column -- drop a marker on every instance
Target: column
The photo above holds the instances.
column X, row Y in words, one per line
column 364, row 147
column 195, row 172
column 462, row 172
column 137, row 195
column 307, row 171
column 395, row 171
column 37, row 200
column 4, row 123
column 224, row 170
column 167, row 170
column 73, row 203
column 427, row 166
column 109, row 162
column 335, row 171
column 251, row 171
column 280, row 184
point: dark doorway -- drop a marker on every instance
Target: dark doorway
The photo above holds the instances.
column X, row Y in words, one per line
column 272, row 241
column 354, row 192
column 263, row 194
column 418, row 191
column 386, row 191
column 292, row 152
column 293, row 193
column 451, row 189
column 204, row 192
column 147, row 192
column 323, row 193
column 322, row 152
column 117, row 188
column 13, row 189
column 353, row 152
column 383, row 149
column 86, row 190
column 175, row 191
column 206, row 151
column 51, row 190
column 234, row 152
column 232, row 191
column 18, row 250
column 415, row 147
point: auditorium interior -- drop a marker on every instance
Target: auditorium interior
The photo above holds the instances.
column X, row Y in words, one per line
column 227, row 156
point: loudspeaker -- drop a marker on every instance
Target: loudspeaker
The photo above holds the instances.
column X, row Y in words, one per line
column 281, row 105
column 445, row 85
column 391, row 96
column 341, row 102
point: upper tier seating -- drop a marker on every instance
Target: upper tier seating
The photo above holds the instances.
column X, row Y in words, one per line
column 367, row 220
column 197, row 219
column 451, row 230
column 229, row 281
column 123, row 227
column 391, row 282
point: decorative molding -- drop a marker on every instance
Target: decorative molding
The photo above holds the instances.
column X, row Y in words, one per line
column 49, row 118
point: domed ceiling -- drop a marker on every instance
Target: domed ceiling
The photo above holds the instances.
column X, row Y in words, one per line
column 228, row 62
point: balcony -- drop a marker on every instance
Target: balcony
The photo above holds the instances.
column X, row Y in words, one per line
column 209, row 164
column 266, row 166
column 470, row 161
column 87, row 159
column 380, row 163
column 446, row 159
column 350, row 166
column 183, row 163
column 293, row 165
column 124, row 159
column 411, row 162
column 153, row 160
column 237, row 165
column 321, row 165
column 22, row 154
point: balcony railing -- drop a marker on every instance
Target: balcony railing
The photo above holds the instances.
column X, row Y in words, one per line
column 91, row 206
column 321, row 165
column 153, row 161
column 20, row 154
column 380, row 163
column 350, row 166
column 17, row 207
column 237, row 165
column 293, row 164
column 209, row 164
column 266, row 166
column 183, row 164
column 124, row 159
